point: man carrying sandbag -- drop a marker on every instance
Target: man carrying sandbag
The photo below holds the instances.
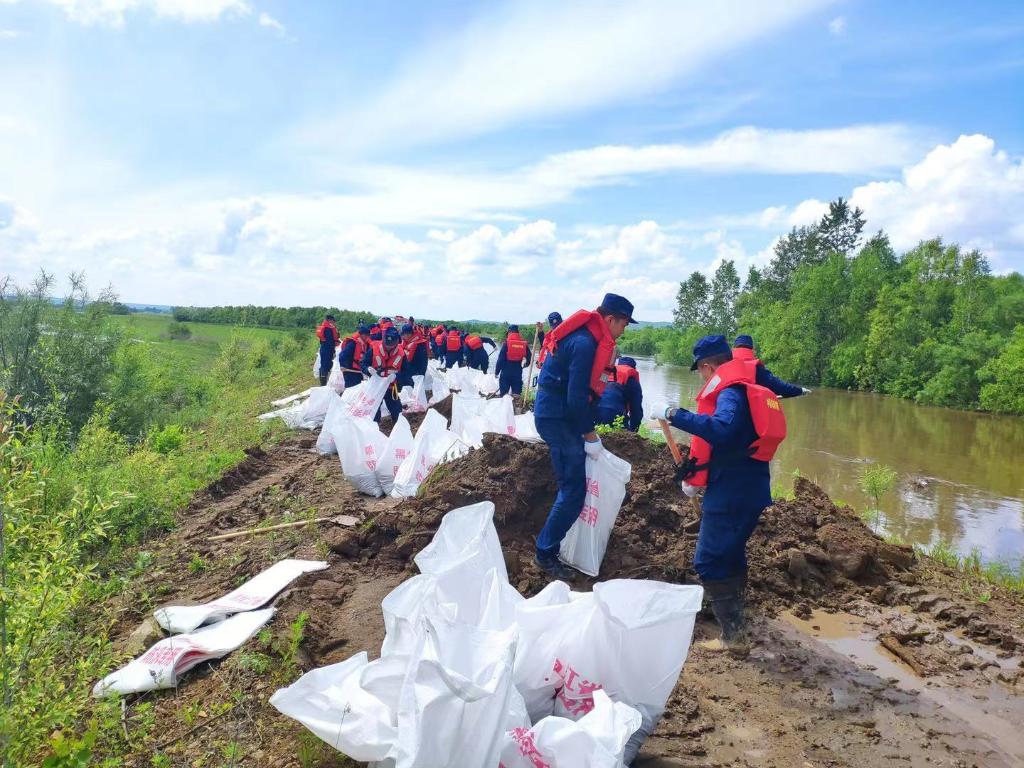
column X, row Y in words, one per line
column 736, row 430
column 570, row 383
column 385, row 358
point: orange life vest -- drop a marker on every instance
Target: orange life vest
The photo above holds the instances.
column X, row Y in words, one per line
column 746, row 354
column 412, row 345
column 439, row 339
column 454, row 341
column 474, row 342
column 385, row 360
column 385, row 325
column 515, row 348
column 327, row 324
column 624, row 373
column 602, row 370
column 765, row 410
column 545, row 349
column 360, row 350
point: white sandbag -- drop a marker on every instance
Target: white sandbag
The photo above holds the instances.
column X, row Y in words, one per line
column 586, row 542
column 397, row 449
column 500, row 416
column 315, row 408
column 456, row 697
column 365, row 400
column 360, row 449
column 597, row 740
column 467, row 406
column 162, row 665
column 439, row 390
column 336, row 380
column 466, row 535
column 316, row 366
column 432, row 445
column 487, row 383
column 526, row 428
column 333, row 704
column 460, row 379
column 418, row 404
column 257, row 591
column 337, row 412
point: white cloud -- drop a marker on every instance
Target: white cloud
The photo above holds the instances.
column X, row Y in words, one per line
column 9, row 34
column 517, row 253
column 269, row 22
column 837, row 27
column 112, row 12
column 521, row 61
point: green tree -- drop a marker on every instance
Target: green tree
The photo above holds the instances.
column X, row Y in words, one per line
column 1004, row 377
column 692, row 301
column 725, row 289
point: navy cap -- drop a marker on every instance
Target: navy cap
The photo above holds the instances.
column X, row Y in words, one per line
column 618, row 305
column 329, row 317
column 406, row 330
column 390, row 336
column 375, row 334
column 513, row 328
column 363, row 328
column 709, row 346
column 554, row 319
column 744, row 341
column 627, row 361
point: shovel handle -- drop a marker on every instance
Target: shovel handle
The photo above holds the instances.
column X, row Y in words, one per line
column 673, row 446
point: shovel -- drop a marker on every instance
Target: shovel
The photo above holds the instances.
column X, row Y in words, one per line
column 677, row 456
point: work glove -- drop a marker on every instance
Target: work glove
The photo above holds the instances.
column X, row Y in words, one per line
column 659, row 409
column 593, row 447
column 392, row 377
column 806, row 390
column 689, row 490
column 371, row 371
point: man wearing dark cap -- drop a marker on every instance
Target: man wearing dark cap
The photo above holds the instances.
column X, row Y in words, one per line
column 350, row 358
column 386, row 358
column 743, row 349
column 513, row 357
column 554, row 320
column 725, row 459
column 415, row 355
column 623, row 398
column 327, row 333
column 571, row 382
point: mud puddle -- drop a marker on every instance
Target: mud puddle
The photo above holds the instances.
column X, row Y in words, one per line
column 986, row 712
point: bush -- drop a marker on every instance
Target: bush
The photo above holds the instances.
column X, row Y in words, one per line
column 178, row 331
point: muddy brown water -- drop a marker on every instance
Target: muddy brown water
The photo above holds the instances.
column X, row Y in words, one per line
column 960, row 477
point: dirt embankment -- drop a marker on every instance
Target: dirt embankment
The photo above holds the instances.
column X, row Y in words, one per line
column 795, row 701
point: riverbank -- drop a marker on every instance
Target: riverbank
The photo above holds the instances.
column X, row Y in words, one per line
column 821, row 582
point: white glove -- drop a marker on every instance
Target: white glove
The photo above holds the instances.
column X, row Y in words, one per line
column 371, row 370
column 392, row 377
column 689, row 490
column 593, row 447
column 658, row 409
column 806, row 390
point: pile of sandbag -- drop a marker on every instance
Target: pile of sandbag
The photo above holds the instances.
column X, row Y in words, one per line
column 305, row 410
column 473, row 675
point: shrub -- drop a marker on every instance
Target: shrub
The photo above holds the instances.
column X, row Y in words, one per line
column 178, row 331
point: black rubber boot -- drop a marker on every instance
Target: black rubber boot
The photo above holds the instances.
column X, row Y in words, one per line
column 556, row 569
column 726, row 598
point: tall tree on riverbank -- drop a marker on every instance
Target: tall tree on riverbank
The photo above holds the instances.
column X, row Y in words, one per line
column 725, row 289
column 692, row 301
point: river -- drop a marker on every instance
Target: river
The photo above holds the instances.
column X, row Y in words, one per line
column 960, row 473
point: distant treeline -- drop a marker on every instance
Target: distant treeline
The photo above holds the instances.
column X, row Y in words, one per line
column 933, row 324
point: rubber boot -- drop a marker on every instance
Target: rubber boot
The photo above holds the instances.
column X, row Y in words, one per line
column 726, row 598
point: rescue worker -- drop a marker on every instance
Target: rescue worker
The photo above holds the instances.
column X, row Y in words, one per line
column 476, row 355
column 350, row 358
column 437, row 342
column 385, row 358
column 327, row 333
column 453, row 348
column 376, row 334
column 729, row 455
column 623, row 397
column 743, row 349
column 571, row 381
column 415, row 355
column 513, row 357
column 554, row 319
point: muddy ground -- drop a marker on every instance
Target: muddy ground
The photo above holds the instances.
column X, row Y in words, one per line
column 864, row 656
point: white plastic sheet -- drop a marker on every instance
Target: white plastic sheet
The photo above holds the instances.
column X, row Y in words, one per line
column 597, row 740
column 360, row 449
column 586, row 542
column 257, row 591
column 165, row 662
column 397, row 449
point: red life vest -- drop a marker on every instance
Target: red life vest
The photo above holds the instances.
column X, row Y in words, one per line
column 765, row 410
column 545, row 349
column 327, row 324
column 601, row 371
column 515, row 348
column 454, row 341
column 359, row 351
column 624, row 373
column 384, row 360
column 412, row 345
column 439, row 339
column 474, row 342
column 385, row 325
column 746, row 354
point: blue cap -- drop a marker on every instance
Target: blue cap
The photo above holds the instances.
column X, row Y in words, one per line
column 513, row 328
column 406, row 329
column 391, row 336
column 554, row 319
column 709, row 346
column 618, row 305
column 375, row 334
column 744, row 341
column 627, row 361
column 363, row 328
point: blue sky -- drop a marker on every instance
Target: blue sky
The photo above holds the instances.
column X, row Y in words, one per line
column 492, row 160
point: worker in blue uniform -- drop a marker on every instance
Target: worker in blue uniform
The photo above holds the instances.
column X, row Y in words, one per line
column 415, row 346
column 476, row 353
column 453, row 348
column 738, row 491
column 327, row 333
column 350, row 358
column 569, row 384
column 385, row 358
column 743, row 349
column 513, row 357
column 623, row 398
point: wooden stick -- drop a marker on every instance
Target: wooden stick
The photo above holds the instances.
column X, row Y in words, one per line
column 533, row 359
column 346, row 520
column 894, row 646
column 673, row 446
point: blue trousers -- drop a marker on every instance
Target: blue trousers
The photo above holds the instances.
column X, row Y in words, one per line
column 508, row 382
column 607, row 415
column 352, row 379
column 392, row 404
column 451, row 359
column 727, row 523
column 570, row 464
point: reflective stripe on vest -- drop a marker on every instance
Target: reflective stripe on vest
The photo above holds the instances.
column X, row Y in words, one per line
column 385, row 361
